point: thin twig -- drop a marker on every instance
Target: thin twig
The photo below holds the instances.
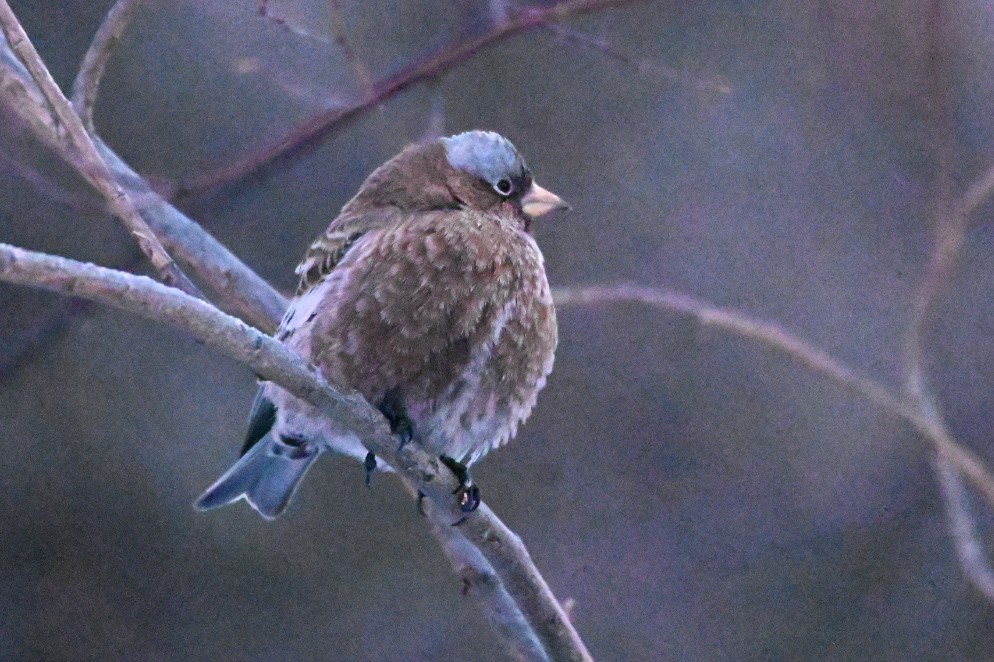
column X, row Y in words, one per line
column 950, row 220
column 977, row 194
column 811, row 357
column 961, row 524
column 87, row 83
column 642, row 65
column 424, row 69
column 290, row 27
column 39, row 333
column 81, row 203
column 271, row 360
column 340, row 30
column 92, row 165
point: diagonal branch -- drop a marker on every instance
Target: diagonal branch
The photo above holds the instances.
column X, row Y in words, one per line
column 422, row 70
column 254, row 299
column 272, row 361
column 91, row 163
column 482, row 583
column 241, row 290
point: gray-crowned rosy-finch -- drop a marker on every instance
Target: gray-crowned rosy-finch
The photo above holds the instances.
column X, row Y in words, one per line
column 428, row 295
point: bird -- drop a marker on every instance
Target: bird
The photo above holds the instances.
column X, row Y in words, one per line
column 427, row 294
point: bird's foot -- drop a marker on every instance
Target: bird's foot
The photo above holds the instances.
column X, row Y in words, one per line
column 467, row 492
column 293, row 447
column 395, row 411
column 369, row 464
column 421, row 504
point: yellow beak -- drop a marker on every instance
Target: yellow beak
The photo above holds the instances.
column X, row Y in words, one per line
column 538, row 201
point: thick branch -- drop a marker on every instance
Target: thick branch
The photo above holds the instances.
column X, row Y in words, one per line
column 427, row 68
column 90, row 160
column 272, row 361
column 482, row 583
column 252, row 298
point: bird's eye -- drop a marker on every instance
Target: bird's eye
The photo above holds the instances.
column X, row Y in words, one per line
column 504, row 187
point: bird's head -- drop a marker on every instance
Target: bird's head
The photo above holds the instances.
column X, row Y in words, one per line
column 478, row 170
column 489, row 172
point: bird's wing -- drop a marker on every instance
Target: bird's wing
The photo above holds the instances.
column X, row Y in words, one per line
column 325, row 252
column 322, row 256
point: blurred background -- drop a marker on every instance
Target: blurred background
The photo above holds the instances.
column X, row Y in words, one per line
column 698, row 496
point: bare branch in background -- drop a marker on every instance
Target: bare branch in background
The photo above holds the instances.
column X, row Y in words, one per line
column 644, row 66
column 435, row 126
column 87, row 83
column 950, row 220
column 288, row 26
column 271, row 360
column 500, row 11
column 340, row 30
column 339, row 37
column 40, row 332
column 811, row 357
column 91, row 163
column 964, row 531
column 424, row 69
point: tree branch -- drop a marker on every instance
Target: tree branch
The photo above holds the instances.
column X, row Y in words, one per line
column 950, row 221
column 240, row 289
column 90, row 160
column 87, row 83
column 272, row 361
column 481, row 582
column 811, row 357
column 642, row 65
column 426, row 68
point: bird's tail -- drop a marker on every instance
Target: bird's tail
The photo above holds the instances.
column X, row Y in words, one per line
column 266, row 476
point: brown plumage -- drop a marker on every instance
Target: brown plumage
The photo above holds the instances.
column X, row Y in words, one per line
column 428, row 295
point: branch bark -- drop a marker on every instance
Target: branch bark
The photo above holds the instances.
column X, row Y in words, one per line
column 238, row 287
column 271, row 360
column 87, row 83
column 90, row 160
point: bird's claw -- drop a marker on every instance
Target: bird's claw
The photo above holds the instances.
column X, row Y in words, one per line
column 369, row 464
column 467, row 492
column 404, row 430
column 421, row 504
column 469, row 497
column 395, row 411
